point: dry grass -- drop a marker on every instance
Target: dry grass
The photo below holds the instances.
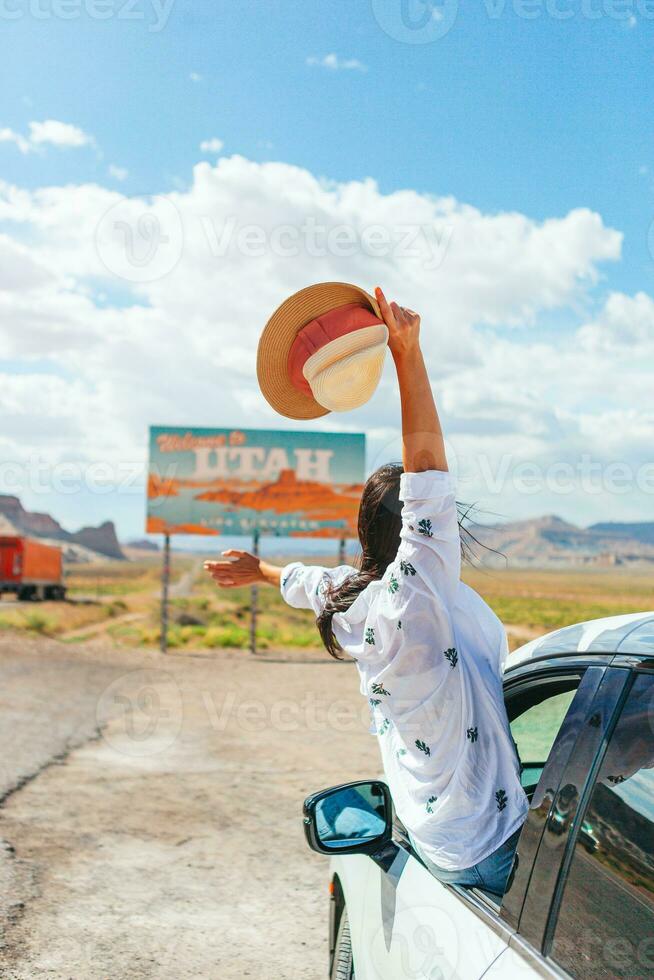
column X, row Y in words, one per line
column 120, row 602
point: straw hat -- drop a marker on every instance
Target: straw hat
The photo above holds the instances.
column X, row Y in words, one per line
column 322, row 351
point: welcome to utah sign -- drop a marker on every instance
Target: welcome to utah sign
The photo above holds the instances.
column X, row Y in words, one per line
column 236, row 481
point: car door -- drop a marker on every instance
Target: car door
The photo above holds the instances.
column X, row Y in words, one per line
column 589, row 911
column 412, row 925
column 601, row 923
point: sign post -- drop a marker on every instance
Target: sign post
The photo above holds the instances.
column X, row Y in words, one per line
column 341, row 551
column 165, row 582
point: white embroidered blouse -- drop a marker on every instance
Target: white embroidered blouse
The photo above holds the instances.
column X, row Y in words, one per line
column 430, row 654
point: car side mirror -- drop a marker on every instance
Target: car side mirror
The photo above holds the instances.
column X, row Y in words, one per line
column 355, row 818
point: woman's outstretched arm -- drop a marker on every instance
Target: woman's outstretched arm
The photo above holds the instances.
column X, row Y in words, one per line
column 246, row 569
column 423, row 447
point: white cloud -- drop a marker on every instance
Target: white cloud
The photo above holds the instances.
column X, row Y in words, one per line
column 56, row 133
column 49, row 132
column 213, row 145
column 334, row 63
column 118, row 173
column 242, row 237
column 194, row 76
column 10, row 136
column 624, row 322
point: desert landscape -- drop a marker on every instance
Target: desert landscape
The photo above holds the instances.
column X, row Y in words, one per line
column 151, row 803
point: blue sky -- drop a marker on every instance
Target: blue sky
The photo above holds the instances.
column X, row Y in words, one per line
column 533, row 116
column 537, row 115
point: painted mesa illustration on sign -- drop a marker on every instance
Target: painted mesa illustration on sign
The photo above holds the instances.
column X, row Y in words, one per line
column 237, row 481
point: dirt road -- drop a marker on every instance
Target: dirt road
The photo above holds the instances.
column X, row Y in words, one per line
column 170, row 845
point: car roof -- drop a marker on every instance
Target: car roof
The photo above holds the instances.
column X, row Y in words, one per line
column 632, row 633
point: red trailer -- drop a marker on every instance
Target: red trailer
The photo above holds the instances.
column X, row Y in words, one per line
column 31, row 569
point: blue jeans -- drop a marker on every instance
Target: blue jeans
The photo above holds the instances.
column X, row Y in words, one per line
column 491, row 874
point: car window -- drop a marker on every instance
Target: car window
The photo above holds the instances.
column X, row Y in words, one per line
column 535, row 728
column 605, row 926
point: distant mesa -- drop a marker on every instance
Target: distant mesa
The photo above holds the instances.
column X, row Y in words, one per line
column 101, row 539
column 143, row 544
column 642, row 531
column 84, row 545
column 550, row 542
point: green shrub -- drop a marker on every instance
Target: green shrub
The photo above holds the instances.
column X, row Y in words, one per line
column 36, row 622
column 228, row 636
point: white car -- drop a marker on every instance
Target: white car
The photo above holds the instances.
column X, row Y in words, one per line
column 580, row 899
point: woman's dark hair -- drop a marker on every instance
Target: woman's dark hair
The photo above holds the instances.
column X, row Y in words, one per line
column 379, row 525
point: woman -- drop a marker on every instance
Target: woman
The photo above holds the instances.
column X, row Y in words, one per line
column 428, row 648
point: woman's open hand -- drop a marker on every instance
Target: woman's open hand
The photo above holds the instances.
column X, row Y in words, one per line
column 403, row 326
column 245, row 569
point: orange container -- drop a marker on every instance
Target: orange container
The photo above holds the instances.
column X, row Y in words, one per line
column 24, row 561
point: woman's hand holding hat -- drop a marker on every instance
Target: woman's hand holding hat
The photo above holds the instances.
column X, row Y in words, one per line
column 403, row 326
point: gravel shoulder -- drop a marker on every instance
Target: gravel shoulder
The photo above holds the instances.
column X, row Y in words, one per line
column 166, row 841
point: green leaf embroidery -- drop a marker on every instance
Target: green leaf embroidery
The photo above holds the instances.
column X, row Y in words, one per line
column 399, row 624
column 501, row 799
column 452, row 656
column 393, row 585
column 472, row 734
column 385, row 725
column 370, row 636
column 424, row 527
column 423, row 746
column 379, row 689
column 407, row 567
column 400, row 753
column 374, row 702
column 429, row 807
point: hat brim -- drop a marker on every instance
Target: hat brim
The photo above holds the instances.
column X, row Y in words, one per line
column 279, row 334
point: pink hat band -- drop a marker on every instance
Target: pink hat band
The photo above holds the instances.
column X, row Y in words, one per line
column 320, row 332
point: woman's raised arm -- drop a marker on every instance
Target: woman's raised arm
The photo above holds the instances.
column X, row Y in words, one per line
column 423, row 447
